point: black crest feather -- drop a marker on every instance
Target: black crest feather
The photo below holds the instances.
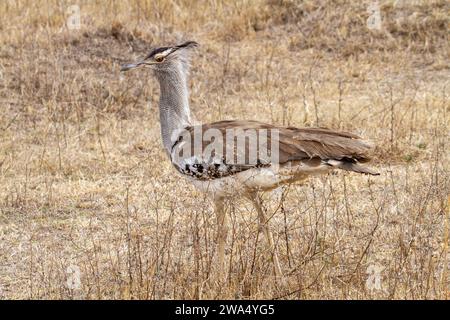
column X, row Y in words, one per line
column 187, row 44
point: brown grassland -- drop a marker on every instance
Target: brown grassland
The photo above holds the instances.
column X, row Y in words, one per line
column 85, row 185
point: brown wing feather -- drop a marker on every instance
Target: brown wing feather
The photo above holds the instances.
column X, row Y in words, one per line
column 302, row 143
column 341, row 150
column 327, row 144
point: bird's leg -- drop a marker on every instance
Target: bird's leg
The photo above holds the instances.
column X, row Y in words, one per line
column 264, row 224
column 222, row 232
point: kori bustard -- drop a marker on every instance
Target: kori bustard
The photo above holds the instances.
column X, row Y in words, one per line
column 223, row 158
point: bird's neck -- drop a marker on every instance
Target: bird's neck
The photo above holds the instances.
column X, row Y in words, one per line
column 174, row 109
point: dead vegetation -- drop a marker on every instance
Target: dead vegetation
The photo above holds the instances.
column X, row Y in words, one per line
column 85, row 186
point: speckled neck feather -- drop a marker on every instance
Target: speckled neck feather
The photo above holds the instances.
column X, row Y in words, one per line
column 174, row 109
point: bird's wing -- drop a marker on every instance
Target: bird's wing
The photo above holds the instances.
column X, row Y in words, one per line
column 227, row 147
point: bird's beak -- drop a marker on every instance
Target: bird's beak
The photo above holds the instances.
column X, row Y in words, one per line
column 130, row 66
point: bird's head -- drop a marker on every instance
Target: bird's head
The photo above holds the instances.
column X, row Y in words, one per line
column 165, row 59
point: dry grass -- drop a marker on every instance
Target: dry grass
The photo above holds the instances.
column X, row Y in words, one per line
column 84, row 181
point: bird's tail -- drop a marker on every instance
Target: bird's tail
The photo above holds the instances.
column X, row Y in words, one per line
column 352, row 166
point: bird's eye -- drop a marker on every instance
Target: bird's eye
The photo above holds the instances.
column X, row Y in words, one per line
column 159, row 58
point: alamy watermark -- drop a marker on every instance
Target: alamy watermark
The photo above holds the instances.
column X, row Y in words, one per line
column 1, row 73
column 73, row 281
column 374, row 19
column 374, row 279
column 73, row 21
column 233, row 146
